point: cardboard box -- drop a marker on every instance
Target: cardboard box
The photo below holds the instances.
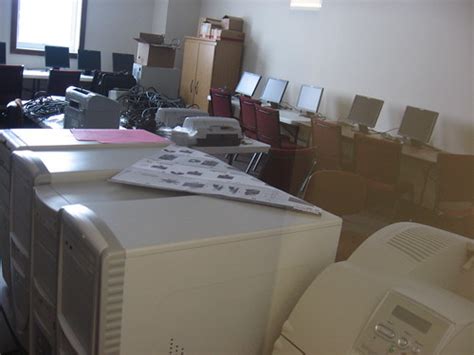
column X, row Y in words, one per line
column 154, row 55
column 152, row 52
column 151, row 38
column 232, row 23
column 206, row 24
column 219, row 34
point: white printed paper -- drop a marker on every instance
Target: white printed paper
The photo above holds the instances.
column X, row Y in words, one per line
column 185, row 169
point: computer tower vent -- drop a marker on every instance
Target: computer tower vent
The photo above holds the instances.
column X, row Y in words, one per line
column 418, row 243
column 175, row 348
column 114, row 268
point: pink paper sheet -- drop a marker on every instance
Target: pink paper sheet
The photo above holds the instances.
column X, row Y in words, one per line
column 117, row 136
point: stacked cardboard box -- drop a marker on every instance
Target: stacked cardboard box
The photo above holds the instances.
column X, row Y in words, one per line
column 228, row 27
column 154, row 65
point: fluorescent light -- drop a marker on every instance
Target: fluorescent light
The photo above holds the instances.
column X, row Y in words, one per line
column 306, row 4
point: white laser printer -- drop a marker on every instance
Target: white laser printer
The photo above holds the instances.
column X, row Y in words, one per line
column 207, row 132
column 87, row 109
column 175, row 116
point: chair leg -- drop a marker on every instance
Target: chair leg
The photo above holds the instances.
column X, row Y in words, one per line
column 258, row 162
column 250, row 164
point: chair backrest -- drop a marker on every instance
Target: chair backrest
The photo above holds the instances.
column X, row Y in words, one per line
column 60, row 80
column 455, row 178
column 377, row 159
column 11, row 83
column 268, row 126
column 336, row 191
column 221, row 102
column 327, row 138
column 248, row 117
column 287, row 169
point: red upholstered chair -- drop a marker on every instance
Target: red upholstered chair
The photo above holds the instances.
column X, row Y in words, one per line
column 248, row 116
column 454, row 203
column 378, row 160
column 287, row 169
column 268, row 128
column 336, row 191
column 327, row 139
column 221, row 101
column 60, row 80
column 11, row 83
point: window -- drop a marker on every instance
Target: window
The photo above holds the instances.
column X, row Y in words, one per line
column 47, row 22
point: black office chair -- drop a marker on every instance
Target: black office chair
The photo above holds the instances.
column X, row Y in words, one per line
column 122, row 62
column 3, row 53
column 11, row 84
column 60, row 80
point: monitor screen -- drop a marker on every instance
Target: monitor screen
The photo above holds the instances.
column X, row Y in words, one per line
column 122, row 62
column 418, row 124
column 88, row 60
column 309, row 98
column 56, row 57
column 3, row 52
column 365, row 110
column 274, row 90
column 248, row 83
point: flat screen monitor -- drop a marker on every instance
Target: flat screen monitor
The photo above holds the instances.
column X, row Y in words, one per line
column 56, row 57
column 365, row 111
column 122, row 62
column 309, row 98
column 274, row 90
column 248, row 83
column 88, row 60
column 3, row 52
column 418, row 124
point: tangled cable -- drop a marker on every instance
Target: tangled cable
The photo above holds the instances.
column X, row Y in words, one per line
column 43, row 107
column 140, row 106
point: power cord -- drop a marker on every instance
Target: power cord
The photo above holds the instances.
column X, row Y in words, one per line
column 42, row 107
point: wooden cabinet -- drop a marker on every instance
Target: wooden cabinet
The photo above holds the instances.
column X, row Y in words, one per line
column 208, row 64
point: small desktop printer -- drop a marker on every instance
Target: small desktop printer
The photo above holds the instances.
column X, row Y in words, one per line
column 86, row 109
column 208, row 131
column 175, row 116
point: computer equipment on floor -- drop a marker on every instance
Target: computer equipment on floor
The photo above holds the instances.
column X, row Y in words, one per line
column 56, row 57
column 30, row 169
column 418, row 125
column 248, row 84
column 309, row 99
column 86, row 109
column 274, row 91
column 122, row 62
column 139, row 277
column 48, row 201
column 407, row 290
column 88, row 60
column 365, row 111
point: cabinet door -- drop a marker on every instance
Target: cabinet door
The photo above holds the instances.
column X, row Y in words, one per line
column 188, row 74
column 204, row 74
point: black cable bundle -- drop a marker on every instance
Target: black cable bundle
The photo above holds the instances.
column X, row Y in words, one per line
column 141, row 105
column 43, row 107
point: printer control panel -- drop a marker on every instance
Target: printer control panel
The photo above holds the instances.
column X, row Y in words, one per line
column 400, row 325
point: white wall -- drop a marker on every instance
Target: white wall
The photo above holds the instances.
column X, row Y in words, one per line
column 406, row 52
column 111, row 26
column 160, row 16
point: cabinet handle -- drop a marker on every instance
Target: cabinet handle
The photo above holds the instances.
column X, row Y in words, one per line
column 191, row 86
column 196, row 87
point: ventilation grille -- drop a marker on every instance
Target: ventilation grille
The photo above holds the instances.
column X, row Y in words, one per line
column 175, row 348
column 115, row 271
column 418, row 243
